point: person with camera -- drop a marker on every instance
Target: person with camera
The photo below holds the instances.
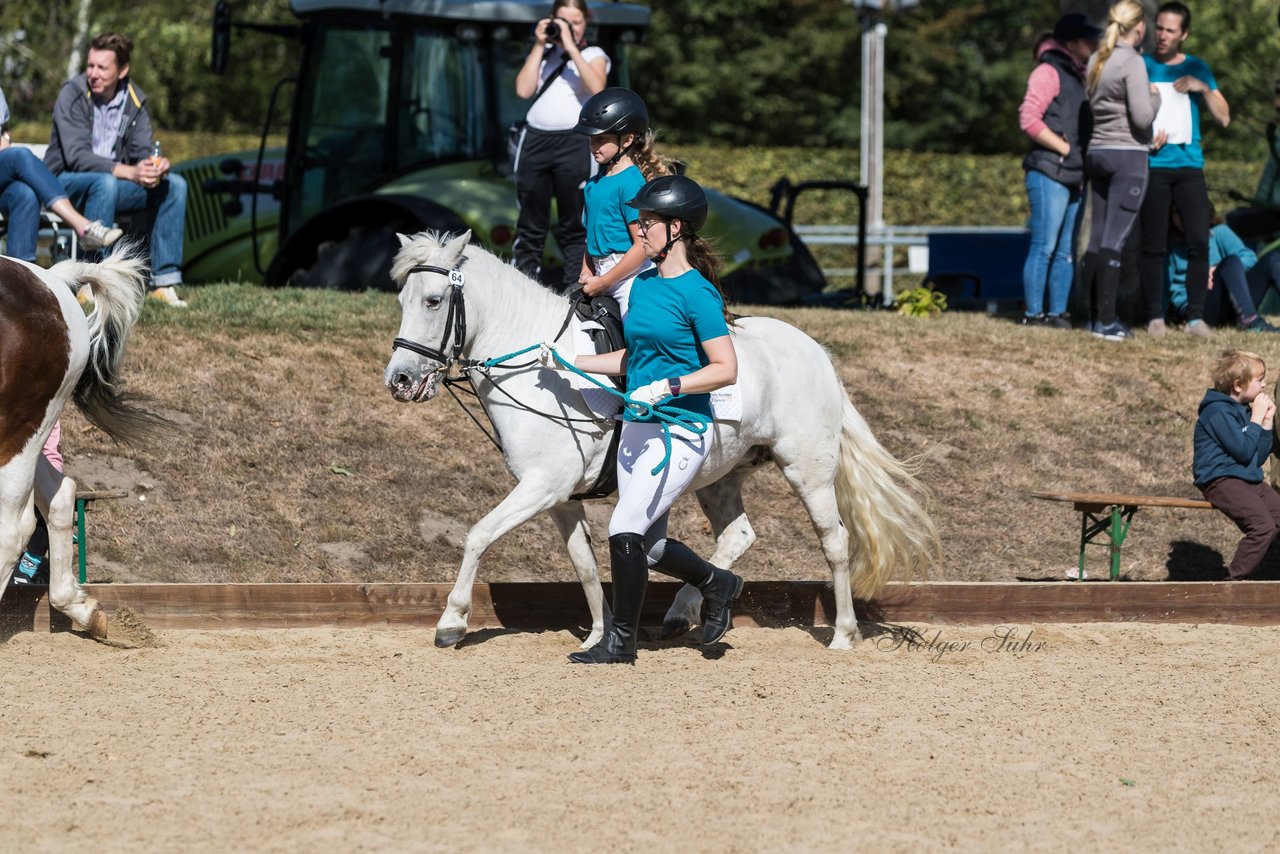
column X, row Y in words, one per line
column 551, row 160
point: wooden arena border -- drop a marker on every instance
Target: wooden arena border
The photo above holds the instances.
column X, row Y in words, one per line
column 560, row 605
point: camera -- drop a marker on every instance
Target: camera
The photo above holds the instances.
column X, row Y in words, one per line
column 553, row 30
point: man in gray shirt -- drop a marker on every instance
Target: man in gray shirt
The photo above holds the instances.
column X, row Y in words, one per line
column 101, row 149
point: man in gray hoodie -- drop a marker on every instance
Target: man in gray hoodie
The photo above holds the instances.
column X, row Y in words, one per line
column 101, row 149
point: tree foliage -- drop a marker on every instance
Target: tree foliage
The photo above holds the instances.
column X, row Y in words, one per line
column 170, row 58
column 751, row 71
column 738, row 72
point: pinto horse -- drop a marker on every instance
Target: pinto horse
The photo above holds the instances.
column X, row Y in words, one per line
column 49, row 352
column 461, row 306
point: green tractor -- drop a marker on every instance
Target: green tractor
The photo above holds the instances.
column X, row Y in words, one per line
column 399, row 119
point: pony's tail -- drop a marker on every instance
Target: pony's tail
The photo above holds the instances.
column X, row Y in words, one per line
column 118, row 285
column 881, row 504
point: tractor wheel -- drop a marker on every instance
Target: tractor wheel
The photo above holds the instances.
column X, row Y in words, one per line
column 357, row 262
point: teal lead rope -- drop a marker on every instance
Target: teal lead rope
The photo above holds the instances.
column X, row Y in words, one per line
column 667, row 415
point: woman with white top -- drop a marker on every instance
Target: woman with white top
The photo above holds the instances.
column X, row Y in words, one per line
column 560, row 73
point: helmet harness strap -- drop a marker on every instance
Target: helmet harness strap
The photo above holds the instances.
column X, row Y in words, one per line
column 622, row 149
column 671, row 241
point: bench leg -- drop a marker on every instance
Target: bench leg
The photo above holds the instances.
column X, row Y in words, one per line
column 82, row 548
column 1084, row 541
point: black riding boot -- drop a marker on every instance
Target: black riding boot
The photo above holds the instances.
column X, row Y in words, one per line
column 719, row 586
column 630, row 571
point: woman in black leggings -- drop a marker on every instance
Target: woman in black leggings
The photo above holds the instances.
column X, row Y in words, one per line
column 1124, row 105
column 552, row 161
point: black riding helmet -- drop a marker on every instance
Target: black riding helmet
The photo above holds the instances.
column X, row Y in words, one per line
column 674, row 197
column 613, row 110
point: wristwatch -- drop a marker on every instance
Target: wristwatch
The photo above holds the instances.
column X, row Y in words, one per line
column 674, row 382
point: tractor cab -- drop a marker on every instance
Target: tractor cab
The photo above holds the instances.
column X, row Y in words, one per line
column 399, row 123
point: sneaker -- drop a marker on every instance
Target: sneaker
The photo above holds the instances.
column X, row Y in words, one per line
column 28, row 570
column 98, row 236
column 1034, row 320
column 1199, row 328
column 1156, row 328
column 168, row 296
column 1259, row 324
column 1112, row 331
column 1058, row 321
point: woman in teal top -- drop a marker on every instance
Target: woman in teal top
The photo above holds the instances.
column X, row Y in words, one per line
column 678, row 349
column 616, row 123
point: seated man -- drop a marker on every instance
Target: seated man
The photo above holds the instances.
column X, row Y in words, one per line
column 25, row 186
column 101, row 151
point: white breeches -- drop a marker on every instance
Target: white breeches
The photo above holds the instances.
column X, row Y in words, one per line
column 621, row 291
column 644, row 498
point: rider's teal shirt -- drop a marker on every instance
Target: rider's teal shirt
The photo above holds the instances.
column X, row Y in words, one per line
column 668, row 321
column 1188, row 155
column 605, row 212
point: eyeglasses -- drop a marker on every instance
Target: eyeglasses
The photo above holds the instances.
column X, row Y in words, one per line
column 646, row 224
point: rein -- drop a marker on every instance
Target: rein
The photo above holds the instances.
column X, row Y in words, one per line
column 456, row 329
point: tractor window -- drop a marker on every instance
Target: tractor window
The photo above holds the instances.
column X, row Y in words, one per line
column 442, row 103
column 344, row 116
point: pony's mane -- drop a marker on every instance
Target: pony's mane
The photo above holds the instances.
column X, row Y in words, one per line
column 425, row 247
column 421, row 249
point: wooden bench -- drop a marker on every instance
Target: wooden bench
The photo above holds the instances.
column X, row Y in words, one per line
column 84, row 503
column 1104, row 513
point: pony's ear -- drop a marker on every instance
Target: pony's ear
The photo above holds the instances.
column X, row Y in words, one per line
column 454, row 247
column 404, row 239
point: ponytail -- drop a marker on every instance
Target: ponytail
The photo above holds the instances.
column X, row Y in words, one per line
column 650, row 163
column 704, row 258
column 1100, row 57
column 1123, row 17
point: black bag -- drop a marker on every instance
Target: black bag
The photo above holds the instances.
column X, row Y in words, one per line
column 516, row 131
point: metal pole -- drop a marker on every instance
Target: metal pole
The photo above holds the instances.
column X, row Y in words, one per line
column 871, row 160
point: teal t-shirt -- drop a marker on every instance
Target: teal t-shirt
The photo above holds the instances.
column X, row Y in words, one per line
column 1189, row 155
column 605, row 212
column 666, row 325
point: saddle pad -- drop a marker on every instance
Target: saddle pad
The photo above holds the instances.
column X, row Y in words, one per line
column 601, row 402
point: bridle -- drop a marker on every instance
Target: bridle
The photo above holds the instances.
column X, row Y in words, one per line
column 455, row 324
column 455, row 331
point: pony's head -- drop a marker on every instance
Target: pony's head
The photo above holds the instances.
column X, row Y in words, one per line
column 430, row 271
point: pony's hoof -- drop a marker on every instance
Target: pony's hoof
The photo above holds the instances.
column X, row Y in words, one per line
column 675, row 628
column 97, row 624
column 446, row 638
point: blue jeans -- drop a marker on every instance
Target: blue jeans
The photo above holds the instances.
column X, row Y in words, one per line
column 25, row 185
column 101, row 195
column 1055, row 218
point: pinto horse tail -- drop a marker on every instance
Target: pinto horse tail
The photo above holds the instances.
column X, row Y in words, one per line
column 118, row 284
column 883, row 507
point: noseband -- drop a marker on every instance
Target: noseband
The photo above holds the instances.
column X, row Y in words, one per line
column 455, row 324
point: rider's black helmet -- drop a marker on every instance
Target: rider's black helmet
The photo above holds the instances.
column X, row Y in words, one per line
column 613, row 110
column 674, row 197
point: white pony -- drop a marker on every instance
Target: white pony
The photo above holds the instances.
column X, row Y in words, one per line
column 50, row 352
column 462, row 305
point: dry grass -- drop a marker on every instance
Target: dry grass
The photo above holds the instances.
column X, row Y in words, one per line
column 298, row 466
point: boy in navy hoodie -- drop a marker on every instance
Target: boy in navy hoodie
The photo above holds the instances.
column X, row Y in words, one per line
column 1232, row 439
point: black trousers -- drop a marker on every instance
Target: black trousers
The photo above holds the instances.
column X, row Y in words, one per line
column 551, row 165
column 1185, row 190
column 1117, row 182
